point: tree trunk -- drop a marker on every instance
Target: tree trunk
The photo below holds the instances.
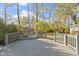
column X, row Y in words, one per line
column 36, row 18
column 74, row 18
column 28, row 15
column 18, row 13
column 43, row 16
column 36, row 12
column 5, row 12
column 49, row 16
column 5, row 17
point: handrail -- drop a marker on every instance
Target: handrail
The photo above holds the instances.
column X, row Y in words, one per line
column 70, row 35
column 12, row 33
column 11, row 37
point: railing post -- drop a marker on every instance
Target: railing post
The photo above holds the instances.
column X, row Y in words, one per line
column 65, row 39
column 36, row 34
column 6, row 39
column 45, row 34
column 77, row 44
column 55, row 37
column 19, row 35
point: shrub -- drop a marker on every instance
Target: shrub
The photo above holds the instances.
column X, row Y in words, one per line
column 52, row 28
column 67, row 31
column 41, row 26
column 2, row 29
column 12, row 28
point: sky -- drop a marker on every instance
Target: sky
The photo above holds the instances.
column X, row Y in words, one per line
column 23, row 10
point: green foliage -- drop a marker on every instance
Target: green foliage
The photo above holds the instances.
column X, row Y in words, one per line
column 41, row 26
column 20, row 27
column 66, row 10
column 2, row 29
column 52, row 27
column 43, row 9
column 60, row 26
column 77, row 20
column 67, row 30
column 11, row 28
column 23, row 21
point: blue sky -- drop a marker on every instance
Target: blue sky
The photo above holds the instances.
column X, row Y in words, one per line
column 23, row 7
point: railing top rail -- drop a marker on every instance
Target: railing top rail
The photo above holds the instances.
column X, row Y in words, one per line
column 12, row 33
column 70, row 35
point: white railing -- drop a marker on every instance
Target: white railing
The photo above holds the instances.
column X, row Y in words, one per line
column 72, row 41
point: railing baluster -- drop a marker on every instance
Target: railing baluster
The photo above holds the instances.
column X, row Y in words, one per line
column 72, row 41
column 77, row 44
